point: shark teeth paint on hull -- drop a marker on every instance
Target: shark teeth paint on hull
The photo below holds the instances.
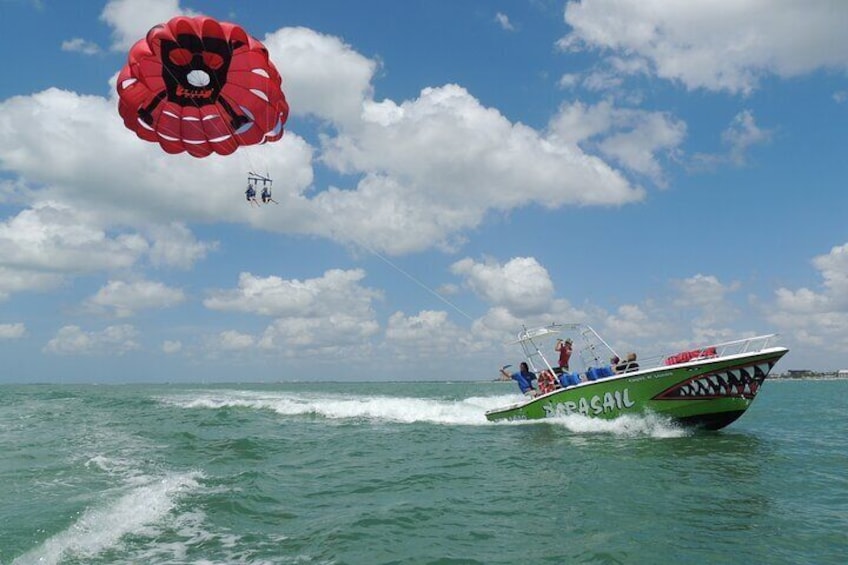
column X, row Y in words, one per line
column 735, row 382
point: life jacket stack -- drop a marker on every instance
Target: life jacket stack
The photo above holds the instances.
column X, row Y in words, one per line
column 547, row 382
column 687, row 356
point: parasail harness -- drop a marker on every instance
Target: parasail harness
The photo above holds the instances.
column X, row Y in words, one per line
column 253, row 179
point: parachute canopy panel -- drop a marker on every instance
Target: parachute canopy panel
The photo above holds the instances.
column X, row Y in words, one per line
column 198, row 85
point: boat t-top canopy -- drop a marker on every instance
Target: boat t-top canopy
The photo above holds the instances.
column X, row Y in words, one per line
column 589, row 346
column 590, row 350
column 536, row 333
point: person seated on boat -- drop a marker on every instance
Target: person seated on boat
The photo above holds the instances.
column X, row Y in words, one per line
column 524, row 377
column 614, row 361
column 629, row 364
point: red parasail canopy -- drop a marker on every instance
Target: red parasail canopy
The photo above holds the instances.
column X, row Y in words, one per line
column 201, row 86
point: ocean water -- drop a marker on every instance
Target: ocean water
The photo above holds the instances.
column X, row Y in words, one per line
column 411, row 473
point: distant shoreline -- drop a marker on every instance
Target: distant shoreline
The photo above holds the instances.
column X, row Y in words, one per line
column 809, row 376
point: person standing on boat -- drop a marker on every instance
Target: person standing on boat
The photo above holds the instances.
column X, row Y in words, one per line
column 524, row 377
column 564, row 348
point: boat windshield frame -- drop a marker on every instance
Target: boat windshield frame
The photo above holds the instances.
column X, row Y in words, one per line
column 593, row 351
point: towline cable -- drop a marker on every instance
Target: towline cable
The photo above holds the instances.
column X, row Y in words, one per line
column 415, row 280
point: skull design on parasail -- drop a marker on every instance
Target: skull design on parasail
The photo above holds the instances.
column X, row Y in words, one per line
column 201, row 86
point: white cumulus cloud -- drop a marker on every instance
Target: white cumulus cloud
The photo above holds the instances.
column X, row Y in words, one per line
column 521, row 285
column 171, row 347
column 717, row 45
column 130, row 19
column 503, row 21
column 12, row 331
column 80, row 45
column 337, row 290
column 126, row 298
column 817, row 317
column 113, row 340
column 53, row 237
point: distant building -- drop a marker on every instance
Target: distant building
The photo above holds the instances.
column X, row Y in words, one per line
column 842, row 373
column 798, row 372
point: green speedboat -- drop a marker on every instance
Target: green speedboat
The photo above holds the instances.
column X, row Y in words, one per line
column 707, row 387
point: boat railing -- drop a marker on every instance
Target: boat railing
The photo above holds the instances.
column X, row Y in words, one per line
column 592, row 352
column 723, row 349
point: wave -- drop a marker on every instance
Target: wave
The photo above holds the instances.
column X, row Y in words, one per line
column 100, row 528
column 470, row 411
column 628, row 425
column 467, row 411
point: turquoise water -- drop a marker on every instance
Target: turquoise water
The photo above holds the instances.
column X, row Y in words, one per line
column 411, row 473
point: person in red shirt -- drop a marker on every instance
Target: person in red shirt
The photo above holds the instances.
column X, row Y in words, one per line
column 564, row 348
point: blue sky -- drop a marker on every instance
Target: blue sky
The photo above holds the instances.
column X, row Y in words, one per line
column 671, row 173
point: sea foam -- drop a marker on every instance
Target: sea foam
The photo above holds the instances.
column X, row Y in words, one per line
column 342, row 407
column 468, row 411
column 101, row 527
column 628, row 425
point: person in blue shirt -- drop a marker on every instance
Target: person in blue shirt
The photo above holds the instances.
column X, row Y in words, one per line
column 250, row 194
column 266, row 196
column 524, row 377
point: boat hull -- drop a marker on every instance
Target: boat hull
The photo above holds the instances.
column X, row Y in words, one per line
column 707, row 394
